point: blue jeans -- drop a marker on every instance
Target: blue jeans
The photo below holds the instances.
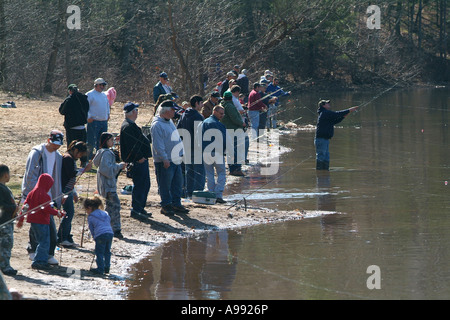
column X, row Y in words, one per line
column 195, row 177
column 103, row 251
column 322, row 149
column 272, row 116
column 41, row 233
column 236, row 165
column 253, row 116
column 169, row 183
column 65, row 227
column 94, row 131
column 216, row 186
column 141, row 182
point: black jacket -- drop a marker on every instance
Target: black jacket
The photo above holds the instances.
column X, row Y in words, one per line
column 74, row 109
column 326, row 121
column 134, row 145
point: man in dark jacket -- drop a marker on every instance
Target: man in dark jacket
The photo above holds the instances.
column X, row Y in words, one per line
column 75, row 109
column 325, row 131
column 162, row 87
column 194, row 170
column 135, row 149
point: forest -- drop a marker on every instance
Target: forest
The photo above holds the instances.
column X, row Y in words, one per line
column 47, row 44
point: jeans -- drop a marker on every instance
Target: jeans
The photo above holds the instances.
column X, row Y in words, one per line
column 216, row 186
column 254, row 120
column 195, row 178
column 79, row 135
column 141, row 182
column 65, row 227
column 272, row 116
column 236, row 163
column 169, row 183
column 32, row 245
column 94, row 131
column 103, row 251
column 41, row 234
column 322, row 149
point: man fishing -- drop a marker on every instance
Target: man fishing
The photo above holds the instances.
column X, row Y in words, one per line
column 325, row 131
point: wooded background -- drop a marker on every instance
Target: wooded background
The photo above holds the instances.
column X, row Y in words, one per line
column 129, row 42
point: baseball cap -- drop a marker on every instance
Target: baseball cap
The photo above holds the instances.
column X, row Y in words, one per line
column 323, row 102
column 56, row 137
column 130, row 106
column 100, row 81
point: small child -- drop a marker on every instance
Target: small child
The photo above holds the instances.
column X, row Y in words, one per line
column 100, row 226
column 107, row 172
column 40, row 209
column 8, row 210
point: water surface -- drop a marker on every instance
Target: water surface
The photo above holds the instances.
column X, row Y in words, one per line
column 387, row 187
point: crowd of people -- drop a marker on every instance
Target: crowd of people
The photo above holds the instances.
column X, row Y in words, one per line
column 183, row 163
column 48, row 186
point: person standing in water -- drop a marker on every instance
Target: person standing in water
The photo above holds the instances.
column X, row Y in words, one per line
column 325, row 131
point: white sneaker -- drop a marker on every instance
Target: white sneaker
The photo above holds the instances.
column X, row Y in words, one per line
column 52, row 260
column 31, row 256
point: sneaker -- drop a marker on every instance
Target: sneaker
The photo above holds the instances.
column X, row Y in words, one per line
column 118, row 235
column 68, row 244
column 167, row 210
column 31, row 256
column 145, row 213
column 220, row 200
column 51, row 260
column 180, row 209
column 40, row 266
column 96, row 271
column 9, row 271
column 138, row 215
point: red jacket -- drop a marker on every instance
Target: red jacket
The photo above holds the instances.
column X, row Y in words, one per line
column 252, row 104
column 38, row 201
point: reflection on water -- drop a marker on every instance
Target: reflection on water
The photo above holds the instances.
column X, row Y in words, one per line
column 390, row 201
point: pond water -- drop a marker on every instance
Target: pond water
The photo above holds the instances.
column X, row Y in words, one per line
column 388, row 199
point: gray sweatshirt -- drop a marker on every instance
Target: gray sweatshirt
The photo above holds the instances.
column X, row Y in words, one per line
column 37, row 165
column 107, row 170
column 167, row 144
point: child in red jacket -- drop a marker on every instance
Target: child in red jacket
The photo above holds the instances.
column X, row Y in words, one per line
column 40, row 209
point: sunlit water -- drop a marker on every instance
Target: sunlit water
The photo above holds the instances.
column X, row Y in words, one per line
column 387, row 187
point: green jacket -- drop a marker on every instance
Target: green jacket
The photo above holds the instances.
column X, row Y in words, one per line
column 232, row 118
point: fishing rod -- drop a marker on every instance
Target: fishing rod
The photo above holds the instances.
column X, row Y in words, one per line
column 377, row 96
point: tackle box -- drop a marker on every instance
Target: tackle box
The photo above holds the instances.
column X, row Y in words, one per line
column 204, row 197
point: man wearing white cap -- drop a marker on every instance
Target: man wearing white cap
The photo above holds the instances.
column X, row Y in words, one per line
column 98, row 115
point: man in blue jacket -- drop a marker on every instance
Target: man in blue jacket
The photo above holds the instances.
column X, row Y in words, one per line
column 213, row 139
column 325, row 131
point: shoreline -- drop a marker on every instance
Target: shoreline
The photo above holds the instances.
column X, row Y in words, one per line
column 71, row 280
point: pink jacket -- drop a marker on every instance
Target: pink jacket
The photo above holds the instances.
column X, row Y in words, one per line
column 111, row 95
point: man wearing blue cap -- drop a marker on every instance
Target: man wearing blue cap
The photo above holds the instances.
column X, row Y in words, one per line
column 162, row 87
column 135, row 150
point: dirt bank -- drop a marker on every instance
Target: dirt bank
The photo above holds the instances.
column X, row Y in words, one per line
column 28, row 125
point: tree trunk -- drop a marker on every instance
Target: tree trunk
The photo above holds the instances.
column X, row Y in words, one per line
column 176, row 48
column 55, row 48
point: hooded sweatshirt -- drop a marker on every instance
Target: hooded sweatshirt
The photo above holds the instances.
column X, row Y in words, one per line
column 167, row 144
column 38, row 201
column 99, row 223
column 107, row 171
column 326, row 121
column 37, row 165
